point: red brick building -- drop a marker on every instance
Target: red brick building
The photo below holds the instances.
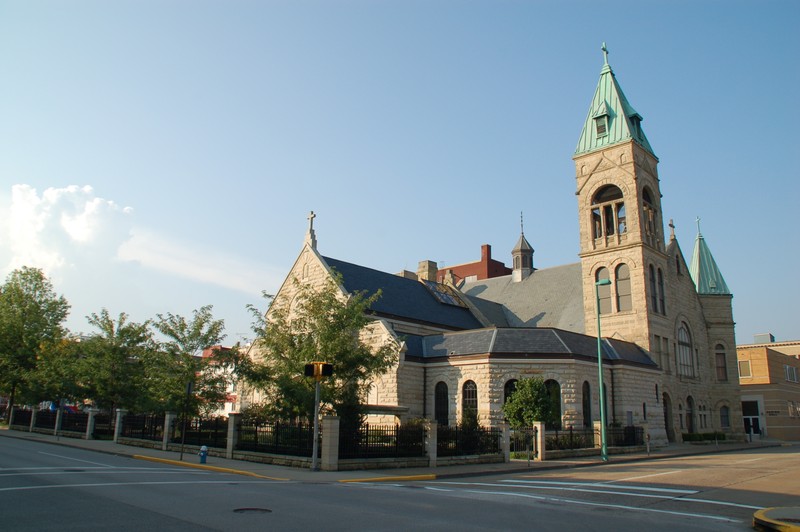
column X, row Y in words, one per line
column 486, row 268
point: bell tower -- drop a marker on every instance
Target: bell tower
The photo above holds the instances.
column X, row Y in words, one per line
column 619, row 211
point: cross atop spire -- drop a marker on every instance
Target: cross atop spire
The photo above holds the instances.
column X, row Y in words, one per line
column 311, row 238
column 671, row 229
column 605, row 53
column 698, row 226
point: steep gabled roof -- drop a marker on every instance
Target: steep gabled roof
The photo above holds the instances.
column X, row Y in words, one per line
column 620, row 119
column 403, row 298
column 550, row 297
column 526, row 342
column 704, row 271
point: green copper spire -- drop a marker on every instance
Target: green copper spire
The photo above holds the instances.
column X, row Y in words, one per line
column 611, row 119
column 704, row 271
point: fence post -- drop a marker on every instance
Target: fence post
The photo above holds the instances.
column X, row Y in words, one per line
column 90, row 424
column 34, row 411
column 505, row 442
column 330, row 444
column 233, row 434
column 118, row 423
column 57, row 425
column 431, row 432
column 169, row 417
column 540, row 441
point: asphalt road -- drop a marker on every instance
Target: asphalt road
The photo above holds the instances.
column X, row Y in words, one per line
column 46, row 487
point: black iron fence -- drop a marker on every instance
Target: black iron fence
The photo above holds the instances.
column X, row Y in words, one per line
column 293, row 439
column 45, row 419
column 624, row 436
column 211, row 432
column 571, row 438
column 74, row 421
column 523, row 441
column 103, row 426
column 143, row 426
column 383, row 441
column 460, row 441
column 22, row 417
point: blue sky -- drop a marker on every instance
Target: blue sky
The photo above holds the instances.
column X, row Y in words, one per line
column 157, row 156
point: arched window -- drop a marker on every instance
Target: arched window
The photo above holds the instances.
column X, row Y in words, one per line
column 509, row 389
column 661, row 306
column 653, row 291
column 608, row 212
column 603, row 291
column 441, row 407
column 721, row 363
column 623, row 280
column 650, row 217
column 469, row 397
column 684, row 355
column 725, row 417
column 690, row 415
column 587, row 404
column 554, row 391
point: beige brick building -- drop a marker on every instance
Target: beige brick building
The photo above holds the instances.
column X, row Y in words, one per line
column 668, row 345
column 769, row 373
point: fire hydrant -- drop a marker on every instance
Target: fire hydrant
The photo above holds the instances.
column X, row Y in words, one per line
column 203, row 454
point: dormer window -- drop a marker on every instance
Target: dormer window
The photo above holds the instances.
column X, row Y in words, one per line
column 601, row 120
column 601, row 126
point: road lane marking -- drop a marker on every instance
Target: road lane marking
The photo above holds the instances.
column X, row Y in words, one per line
column 751, row 460
column 113, row 484
column 603, row 505
column 103, row 472
column 600, row 485
column 75, row 459
column 645, row 476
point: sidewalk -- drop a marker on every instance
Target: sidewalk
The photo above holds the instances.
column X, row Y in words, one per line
column 283, row 473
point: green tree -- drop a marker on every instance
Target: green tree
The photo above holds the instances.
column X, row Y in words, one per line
column 529, row 403
column 31, row 324
column 112, row 361
column 320, row 324
column 179, row 363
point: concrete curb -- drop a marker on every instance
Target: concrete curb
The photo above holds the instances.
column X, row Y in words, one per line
column 781, row 519
column 203, row 466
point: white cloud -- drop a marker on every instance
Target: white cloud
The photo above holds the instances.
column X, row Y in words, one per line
column 47, row 231
column 155, row 252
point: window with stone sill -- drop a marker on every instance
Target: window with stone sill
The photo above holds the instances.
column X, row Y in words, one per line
column 721, row 363
column 744, row 368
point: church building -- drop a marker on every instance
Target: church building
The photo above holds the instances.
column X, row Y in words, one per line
column 466, row 337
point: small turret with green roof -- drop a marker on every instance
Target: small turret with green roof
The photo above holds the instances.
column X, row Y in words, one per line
column 704, row 271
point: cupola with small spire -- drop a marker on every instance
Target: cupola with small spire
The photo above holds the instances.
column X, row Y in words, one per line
column 522, row 256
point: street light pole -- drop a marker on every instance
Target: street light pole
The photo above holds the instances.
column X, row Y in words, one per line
column 603, row 444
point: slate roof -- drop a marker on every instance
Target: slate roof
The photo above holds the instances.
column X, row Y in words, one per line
column 545, row 342
column 550, row 297
column 403, row 298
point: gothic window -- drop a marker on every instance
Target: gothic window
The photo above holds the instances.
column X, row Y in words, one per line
column 554, row 391
column 684, row 352
column 650, row 216
column 587, row 404
column 603, row 291
column 623, row 280
column 441, row 408
column 721, row 362
column 690, row 415
column 469, row 397
column 661, row 306
column 509, row 389
column 725, row 417
column 608, row 212
column 653, row 292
